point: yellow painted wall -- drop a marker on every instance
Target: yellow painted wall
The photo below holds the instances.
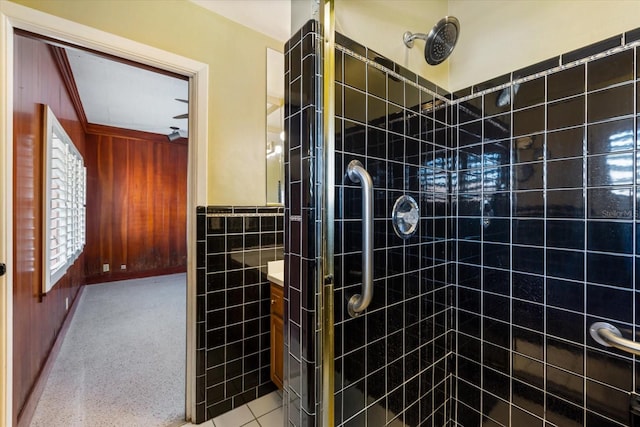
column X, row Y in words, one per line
column 380, row 24
column 237, row 87
column 500, row 36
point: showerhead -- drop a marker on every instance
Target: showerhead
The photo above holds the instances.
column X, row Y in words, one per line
column 440, row 41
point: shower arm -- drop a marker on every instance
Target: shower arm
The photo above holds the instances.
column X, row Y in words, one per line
column 409, row 37
column 359, row 302
column 609, row 336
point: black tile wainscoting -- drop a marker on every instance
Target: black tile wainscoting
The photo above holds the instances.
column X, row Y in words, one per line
column 529, row 233
column 234, row 245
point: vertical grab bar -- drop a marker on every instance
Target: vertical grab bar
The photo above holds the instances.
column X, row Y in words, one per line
column 358, row 174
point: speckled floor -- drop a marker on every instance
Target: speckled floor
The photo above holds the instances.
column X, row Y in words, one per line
column 122, row 362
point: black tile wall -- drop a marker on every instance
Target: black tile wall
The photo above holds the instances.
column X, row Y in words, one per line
column 303, row 121
column 528, row 234
column 234, row 245
column 403, row 336
column 548, row 247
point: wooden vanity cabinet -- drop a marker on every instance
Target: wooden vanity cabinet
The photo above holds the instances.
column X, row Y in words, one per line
column 277, row 334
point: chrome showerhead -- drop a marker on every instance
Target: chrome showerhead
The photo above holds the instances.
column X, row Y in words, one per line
column 440, row 41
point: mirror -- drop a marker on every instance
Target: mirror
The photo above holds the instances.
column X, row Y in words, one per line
column 275, row 127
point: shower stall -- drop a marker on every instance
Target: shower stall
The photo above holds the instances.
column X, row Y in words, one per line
column 465, row 258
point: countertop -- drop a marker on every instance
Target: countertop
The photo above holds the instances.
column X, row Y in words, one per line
column 275, row 272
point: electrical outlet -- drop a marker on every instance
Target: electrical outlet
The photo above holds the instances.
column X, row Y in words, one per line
column 66, row 303
column 105, row 268
column 123, row 266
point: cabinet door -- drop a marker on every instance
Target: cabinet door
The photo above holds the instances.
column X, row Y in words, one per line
column 277, row 350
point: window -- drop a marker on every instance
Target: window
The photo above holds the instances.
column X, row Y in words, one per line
column 65, row 201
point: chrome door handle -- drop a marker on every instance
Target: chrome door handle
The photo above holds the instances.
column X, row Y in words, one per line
column 359, row 302
column 609, row 336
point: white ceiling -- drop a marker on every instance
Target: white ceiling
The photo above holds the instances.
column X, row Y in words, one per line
column 124, row 96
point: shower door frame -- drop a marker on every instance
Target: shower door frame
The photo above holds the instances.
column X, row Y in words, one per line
column 14, row 16
column 326, row 270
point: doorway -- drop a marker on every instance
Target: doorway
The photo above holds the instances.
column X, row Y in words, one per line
column 16, row 17
column 120, row 119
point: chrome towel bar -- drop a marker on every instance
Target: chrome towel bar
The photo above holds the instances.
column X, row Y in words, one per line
column 609, row 336
column 358, row 174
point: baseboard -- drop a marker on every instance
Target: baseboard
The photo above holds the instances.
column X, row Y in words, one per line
column 29, row 408
column 113, row 277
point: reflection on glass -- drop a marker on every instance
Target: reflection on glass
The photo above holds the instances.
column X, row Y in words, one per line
column 275, row 137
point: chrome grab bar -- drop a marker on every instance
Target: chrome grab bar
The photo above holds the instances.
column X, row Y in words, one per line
column 609, row 336
column 359, row 302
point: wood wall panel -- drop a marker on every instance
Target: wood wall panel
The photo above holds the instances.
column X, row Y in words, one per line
column 136, row 212
column 37, row 321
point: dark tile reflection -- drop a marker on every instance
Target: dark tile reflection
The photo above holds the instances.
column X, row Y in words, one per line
column 562, row 413
column 607, row 401
column 609, row 103
column 565, row 355
column 565, row 384
column 527, row 369
column 528, row 148
column 565, row 324
column 565, row 234
column 528, row 232
column 565, row 204
column 498, row 102
column 528, row 259
column 566, row 83
column 528, row 121
column 528, row 287
column 610, row 169
column 610, row 203
column 610, row 236
column 610, row 136
column 600, row 266
column 565, row 294
column 529, row 93
column 376, row 82
column 565, row 113
column 355, row 105
column 528, row 204
column 565, row 264
column 565, row 143
column 610, row 70
column 609, row 369
column 564, row 174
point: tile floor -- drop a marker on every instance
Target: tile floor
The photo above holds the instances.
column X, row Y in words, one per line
column 265, row 411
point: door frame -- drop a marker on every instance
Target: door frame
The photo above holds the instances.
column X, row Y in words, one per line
column 14, row 16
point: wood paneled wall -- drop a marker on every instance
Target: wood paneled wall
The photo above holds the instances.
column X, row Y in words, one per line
column 37, row 321
column 136, row 208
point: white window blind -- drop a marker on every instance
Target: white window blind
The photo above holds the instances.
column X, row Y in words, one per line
column 65, row 201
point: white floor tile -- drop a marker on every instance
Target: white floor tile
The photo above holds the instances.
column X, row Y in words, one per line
column 272, row 419
column 253, row 423
column 208, row 423
column 265, row 404
column 235, row 418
